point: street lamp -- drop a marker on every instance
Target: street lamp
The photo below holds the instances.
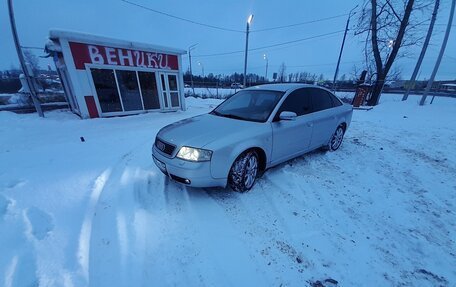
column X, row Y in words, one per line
column 390, row 47
column 190, row 61
column 265, row 57
column 202, row 67
column 249, row 20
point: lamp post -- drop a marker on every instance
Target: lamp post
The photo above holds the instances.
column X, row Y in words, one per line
column 249, row 20
column 190, row 63
column 265, row 57
column 202, row 67
column 342, row 47
column 390, row 47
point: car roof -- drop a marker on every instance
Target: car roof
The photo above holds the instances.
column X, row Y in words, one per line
column 282, row 87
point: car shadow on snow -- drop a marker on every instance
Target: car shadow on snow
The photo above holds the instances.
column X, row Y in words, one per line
column 223, row 193
column 301, row 160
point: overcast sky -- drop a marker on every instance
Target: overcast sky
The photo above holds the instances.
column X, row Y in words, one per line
column 118, row 19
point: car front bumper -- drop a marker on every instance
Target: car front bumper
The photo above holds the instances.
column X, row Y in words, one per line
column 196, row 174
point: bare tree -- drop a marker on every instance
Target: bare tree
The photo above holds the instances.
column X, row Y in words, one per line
column 281, row 75
column 387, row 26
column 33, row 60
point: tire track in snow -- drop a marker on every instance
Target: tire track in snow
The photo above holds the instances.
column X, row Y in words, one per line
column 263, row 219
column 100, row 201
column 220, row 240
column 86, row 230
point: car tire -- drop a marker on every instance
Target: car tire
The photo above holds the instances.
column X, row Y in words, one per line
column 336, row 139
column 244, row 172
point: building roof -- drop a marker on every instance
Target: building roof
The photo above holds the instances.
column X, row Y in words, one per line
column 105, row 41
column 281, row 87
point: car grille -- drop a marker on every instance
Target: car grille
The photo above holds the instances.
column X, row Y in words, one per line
column 164, row 146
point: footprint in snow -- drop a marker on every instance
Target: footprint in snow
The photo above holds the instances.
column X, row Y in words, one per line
column 40, row 222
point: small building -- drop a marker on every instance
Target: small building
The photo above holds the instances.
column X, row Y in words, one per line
column 450, row 87
column 104, row 77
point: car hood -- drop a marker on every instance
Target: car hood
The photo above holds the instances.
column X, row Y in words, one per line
column 201, row 130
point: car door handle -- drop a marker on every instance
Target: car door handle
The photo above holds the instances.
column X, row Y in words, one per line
column 310, row 125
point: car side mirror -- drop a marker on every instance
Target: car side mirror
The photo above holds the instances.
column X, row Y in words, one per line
column 287, row 116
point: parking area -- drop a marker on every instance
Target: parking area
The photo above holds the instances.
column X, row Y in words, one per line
column 381, row 207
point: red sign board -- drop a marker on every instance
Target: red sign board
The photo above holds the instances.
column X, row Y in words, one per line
column 103, row 55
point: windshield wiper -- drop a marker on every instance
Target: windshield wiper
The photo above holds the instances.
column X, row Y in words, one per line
column 214, row 112
column 231, row 116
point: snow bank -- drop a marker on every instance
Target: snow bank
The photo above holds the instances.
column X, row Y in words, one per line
column 380, row 211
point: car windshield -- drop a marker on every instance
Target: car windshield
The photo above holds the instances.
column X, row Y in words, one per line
column 249, row 105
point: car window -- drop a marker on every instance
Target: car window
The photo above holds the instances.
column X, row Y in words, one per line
column 298, row 102
column 335, row 100
column 249, row 105
column 321, row 99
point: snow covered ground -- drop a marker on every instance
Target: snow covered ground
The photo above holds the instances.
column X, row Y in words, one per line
column 381, row 211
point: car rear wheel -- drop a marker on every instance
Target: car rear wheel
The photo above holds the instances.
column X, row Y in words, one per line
column 336, row 139
column 244, row 172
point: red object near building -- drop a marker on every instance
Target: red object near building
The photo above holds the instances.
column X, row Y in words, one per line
column 362, row 91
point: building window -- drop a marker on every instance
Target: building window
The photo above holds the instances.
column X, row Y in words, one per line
column 149, row 90
column 105, row 85
column 129, row 90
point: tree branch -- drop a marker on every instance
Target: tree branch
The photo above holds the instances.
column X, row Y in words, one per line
column 400, row 35
column 394, row 11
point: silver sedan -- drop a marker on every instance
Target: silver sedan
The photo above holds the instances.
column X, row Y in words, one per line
column 255, row 129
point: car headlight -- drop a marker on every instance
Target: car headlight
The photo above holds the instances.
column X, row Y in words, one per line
column 194, row 154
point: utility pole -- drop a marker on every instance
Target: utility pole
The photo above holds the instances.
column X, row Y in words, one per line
column 423, row 51
column 267, row 62
column 28, row 79
column 439, row 59
column 247, row 48
column 342, row 47
column 190, row 61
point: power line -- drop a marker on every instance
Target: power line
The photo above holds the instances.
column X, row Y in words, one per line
column 270, row 46
column 299, row 24
column 229, row 29
column 318, row 65
column 182, row 19
column 291, row 46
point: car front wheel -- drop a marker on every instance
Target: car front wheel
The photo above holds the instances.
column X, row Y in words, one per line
column 244, row 171
column 336, row 139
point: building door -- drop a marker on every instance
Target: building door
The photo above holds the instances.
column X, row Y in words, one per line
column 149, row 90
column 170, row 91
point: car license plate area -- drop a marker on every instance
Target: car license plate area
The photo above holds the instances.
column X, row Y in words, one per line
column 160, row 165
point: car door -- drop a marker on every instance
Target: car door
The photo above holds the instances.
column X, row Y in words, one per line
column 292, row 137
column 324, row 117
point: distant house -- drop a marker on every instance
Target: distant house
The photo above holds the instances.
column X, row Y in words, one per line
column 444, row 86
column 448, row 87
